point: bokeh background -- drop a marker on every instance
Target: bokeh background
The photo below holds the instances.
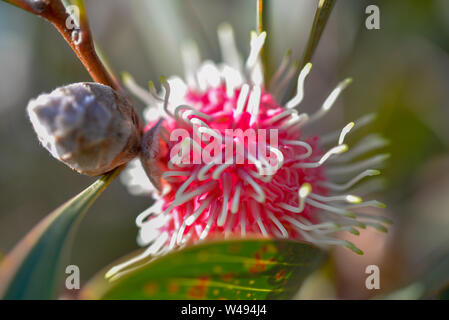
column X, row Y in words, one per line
column 400, row 72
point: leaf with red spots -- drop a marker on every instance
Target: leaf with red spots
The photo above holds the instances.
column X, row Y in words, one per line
column 232, row 269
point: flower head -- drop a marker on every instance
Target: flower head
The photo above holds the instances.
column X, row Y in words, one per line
column 226, row 157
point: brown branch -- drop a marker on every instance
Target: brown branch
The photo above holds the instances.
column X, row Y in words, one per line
column 79, row 38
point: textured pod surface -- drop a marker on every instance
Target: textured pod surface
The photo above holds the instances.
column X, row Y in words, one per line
column 88, row 126
column 151, row 150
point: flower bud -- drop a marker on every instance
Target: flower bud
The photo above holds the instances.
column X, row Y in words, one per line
column 88, row 126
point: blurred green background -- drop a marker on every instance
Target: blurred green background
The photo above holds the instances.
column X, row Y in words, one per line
column 400, row 72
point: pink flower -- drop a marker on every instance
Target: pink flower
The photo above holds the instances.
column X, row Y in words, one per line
column 281, row 189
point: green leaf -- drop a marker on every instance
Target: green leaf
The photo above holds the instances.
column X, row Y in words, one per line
column 32, row 270
column 319, row 23
column 230, row 269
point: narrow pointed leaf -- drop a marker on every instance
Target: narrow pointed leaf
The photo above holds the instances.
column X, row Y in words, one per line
column 231, row 269
column 33, row 268
column 319, row 23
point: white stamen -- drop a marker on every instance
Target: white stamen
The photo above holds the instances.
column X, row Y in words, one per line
column 254, row 104
column 257, row 42
column 188, row 196
column 309, row 226
column 297, row 99
column 227, row 185
column 278, row 90
column 280, row 71
column 369, row 187
column 300, row 144
column 350, row 183
column 185, row 185
column 260, row 194
column 228, row 47
column 330, row 241
column 373, row 162
column 137, row 90
column 377, row 226
column 210, row 132
column 344, row 132
column 218, row 171
column 329, row 208
column 266, row 177
column 374, row 218
column 363, row 121
column 278, row 224
column 191, row 61
column 153, row 92
column 243, row 221
column 335, row 150
column 329, row 102
column 203, row 171
column 280, row 116
column 181, row 233
column 208, row 76
column 192, row 218
column 230, row 225
column 279, row 158
column 255, row 210
column 209, row 224
column 175, row 174
column 242, row 99
column 370, row 203
column 166, row 86
column 349, row 198
column 369, row 143
column 296, row 121
column 303, row 193
column 233, row 80
column 149, row 231
column 190, row 111
column 172, row 243
column 259, row 165
column 155, row 209
column 236, row 199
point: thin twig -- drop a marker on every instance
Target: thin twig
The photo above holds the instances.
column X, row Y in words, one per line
column 80, row 40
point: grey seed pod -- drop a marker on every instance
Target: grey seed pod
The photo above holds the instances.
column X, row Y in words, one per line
column 88, row 126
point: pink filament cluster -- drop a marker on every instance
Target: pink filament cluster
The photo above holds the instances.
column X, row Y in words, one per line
column 213, row 210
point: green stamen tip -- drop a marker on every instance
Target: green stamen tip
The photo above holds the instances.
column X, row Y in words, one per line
column 382, row 205
column 361, row 225
column 353, row 248
column 126, row 76
column 348, row 81
column 381, row 229
column 350, row 215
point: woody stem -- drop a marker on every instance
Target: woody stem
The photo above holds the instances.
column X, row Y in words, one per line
column 79, row 39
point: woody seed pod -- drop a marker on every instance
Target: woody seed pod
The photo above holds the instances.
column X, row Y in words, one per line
column 88, row 126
